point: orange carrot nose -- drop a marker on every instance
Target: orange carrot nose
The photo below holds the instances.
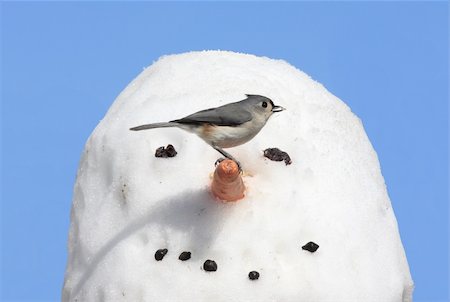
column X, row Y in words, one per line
column 227, row 184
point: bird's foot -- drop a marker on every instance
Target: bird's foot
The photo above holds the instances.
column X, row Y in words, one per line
column 224, row 158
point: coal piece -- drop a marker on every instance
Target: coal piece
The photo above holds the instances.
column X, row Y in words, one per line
column 310, row 247
column 159, row 255
column 253, row 275
column 185, row 256
column 168, row 151
column 276, row 154
column 210, row 266
column 160, row 152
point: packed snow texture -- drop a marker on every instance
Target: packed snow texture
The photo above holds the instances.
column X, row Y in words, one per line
column 127, row 203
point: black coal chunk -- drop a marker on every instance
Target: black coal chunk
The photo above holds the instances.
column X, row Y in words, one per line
column 159, row 255
column 168, row 151
column 253, row 275
column 210, row 266
column 310, row 247
column 185, row 256
column 276, row 154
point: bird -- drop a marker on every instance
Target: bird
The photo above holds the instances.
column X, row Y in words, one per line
column 227, row 126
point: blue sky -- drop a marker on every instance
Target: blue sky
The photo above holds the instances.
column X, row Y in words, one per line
column 63, row 64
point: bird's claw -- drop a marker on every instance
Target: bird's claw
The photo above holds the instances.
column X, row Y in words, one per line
column 239, row 166
column 218, row 161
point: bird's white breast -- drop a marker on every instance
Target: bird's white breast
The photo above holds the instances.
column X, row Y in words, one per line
column 230, row 136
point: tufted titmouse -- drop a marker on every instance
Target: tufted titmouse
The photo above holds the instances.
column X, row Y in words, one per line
column 226, row 126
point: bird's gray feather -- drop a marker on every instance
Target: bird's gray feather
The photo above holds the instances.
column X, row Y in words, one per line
column 232, row 114
column 153, row 126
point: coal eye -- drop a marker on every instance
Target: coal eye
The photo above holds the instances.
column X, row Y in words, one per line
column 264, row 104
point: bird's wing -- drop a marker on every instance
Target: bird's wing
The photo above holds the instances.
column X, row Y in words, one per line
column 226, row 115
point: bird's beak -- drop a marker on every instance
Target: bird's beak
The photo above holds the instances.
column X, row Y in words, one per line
column 278, row 109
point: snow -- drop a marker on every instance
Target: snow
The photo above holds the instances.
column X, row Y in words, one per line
column 127, row 203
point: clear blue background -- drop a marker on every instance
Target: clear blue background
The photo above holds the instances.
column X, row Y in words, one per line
column 64, row 63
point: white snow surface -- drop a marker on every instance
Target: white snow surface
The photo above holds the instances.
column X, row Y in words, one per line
column 127, row 203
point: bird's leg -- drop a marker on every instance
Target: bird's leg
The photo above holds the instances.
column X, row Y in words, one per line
column 227, row 155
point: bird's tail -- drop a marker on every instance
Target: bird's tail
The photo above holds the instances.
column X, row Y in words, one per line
column 153, row 126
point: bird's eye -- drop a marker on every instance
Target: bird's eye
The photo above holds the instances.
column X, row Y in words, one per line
column 264, row 104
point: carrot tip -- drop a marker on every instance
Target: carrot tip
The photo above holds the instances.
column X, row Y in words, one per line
column 227, row 184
